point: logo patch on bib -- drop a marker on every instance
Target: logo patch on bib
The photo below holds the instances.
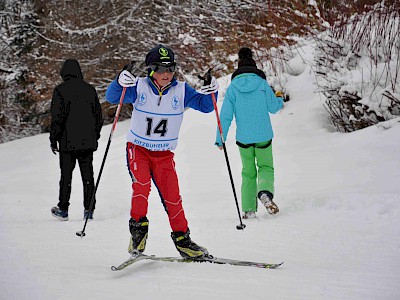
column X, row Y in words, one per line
column 175, row 103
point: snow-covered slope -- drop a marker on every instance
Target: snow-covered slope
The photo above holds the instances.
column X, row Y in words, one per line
column 337, row 232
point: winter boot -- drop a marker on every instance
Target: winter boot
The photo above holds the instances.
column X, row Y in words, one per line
column 62, row 215
column 186, row 247
column 249, row 215
column 266, row 199
column 88, row 214
column 139, row 231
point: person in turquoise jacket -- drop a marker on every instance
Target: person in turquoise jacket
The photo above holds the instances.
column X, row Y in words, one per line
column 250, row 99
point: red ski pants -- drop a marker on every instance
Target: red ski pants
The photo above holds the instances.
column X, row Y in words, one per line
column 145, row 165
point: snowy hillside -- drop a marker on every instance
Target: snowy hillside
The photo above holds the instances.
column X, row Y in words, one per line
column 337, row 232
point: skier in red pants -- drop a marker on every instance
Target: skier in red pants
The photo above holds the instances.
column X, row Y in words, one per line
column 158, row 103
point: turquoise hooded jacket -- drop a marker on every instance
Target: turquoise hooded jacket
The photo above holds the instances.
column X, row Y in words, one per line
column 250, row 99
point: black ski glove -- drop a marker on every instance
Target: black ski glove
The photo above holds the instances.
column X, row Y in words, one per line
column 54, row 147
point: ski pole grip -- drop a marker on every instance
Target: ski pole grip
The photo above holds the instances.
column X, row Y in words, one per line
column 207, row 78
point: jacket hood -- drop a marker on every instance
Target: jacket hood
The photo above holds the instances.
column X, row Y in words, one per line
column 247, row 82
column 71, row 69
column 248, row 69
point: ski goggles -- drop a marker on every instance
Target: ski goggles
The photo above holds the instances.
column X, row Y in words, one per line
column 163, row 67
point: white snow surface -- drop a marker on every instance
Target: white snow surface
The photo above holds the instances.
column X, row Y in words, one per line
column 337, row 231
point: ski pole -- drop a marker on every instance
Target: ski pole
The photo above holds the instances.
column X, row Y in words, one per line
column 241, row 226
column 121, row 99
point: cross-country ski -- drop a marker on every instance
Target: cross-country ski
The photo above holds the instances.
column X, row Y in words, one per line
column 210, row 259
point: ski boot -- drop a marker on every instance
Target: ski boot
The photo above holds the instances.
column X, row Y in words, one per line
column 186, row 247
column 62, row 215
column 266, row 199
column 139, row 231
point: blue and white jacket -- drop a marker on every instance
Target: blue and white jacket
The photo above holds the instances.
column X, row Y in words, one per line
column 250, row 99
column 157, row 114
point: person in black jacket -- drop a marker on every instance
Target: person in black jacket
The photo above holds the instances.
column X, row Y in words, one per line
column 76, row 122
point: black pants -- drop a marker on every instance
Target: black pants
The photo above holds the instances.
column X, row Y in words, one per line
column 67, row 166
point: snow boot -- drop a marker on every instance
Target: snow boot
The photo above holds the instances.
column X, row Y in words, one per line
column 186, row 247
column 62, row 215
column 249, row 215
column 139, row 231
column 266, row 199
column 88, row 214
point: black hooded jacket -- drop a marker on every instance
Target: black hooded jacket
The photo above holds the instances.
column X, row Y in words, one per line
column 76, row 118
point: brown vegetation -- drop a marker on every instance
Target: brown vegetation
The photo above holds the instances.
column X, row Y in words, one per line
column 37, row 35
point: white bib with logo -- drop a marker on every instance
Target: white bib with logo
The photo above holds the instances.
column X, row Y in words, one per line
column 155, row 123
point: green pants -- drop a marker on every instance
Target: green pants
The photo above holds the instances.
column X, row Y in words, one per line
column 257, row 173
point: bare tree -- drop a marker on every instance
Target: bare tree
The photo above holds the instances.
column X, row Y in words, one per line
column 104, row 35
column 359, row 92
column 17, row 37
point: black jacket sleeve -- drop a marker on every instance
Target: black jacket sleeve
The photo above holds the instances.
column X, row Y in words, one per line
column 57, row 117
column 98, row 116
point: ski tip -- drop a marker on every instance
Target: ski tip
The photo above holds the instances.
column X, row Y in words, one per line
column 113, row 268
column 270, row 266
